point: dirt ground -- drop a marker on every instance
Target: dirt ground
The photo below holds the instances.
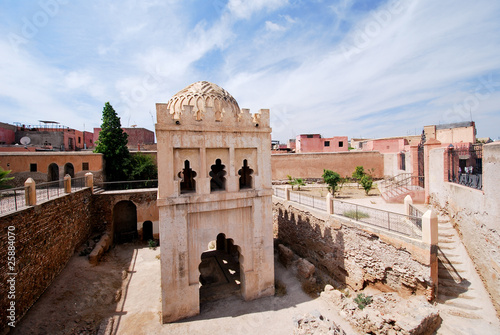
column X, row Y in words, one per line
column 125, row 287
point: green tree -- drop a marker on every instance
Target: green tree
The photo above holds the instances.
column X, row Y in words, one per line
column 299, row 182
column 367, row 183
column 358, row 173
column 4, row 178
column 112, row 143
column 332, row 179
column 143, row 167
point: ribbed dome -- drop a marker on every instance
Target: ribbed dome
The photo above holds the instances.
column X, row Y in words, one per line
column 204, row 94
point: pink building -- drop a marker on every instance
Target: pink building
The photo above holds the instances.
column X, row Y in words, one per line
column 315, row 143
column 137, row 137
column 386, row 145
column 7, row 133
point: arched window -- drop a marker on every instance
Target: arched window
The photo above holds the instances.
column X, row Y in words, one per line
column 245, row 175
column 188, row 184
column 218, row 181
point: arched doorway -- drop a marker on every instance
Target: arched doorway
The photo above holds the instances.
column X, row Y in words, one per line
column 69, row 169
column 125, row 221
column 220, row 270
column 147, row 231
column 53, row 172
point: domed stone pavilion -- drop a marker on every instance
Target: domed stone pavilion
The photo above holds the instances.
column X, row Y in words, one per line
column 214, row 198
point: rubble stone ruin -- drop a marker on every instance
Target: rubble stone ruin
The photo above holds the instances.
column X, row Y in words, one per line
column 214, row 199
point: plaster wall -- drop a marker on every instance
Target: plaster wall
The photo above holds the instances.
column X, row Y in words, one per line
column 312, row 165
column 7, row 133
column 392, row 164
column 474, row 213
column 20, row 164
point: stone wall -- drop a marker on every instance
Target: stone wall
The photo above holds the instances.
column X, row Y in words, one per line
column 46, row 236
column 311, row 165
column 474, row 213
column 144, row 200
column 353, row 255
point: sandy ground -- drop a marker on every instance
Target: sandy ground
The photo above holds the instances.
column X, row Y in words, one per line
column 83, row 296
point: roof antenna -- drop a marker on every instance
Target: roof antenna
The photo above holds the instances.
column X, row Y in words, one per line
column 470, row 111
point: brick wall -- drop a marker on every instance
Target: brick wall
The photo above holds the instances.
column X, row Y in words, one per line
column 46, row 238
column 352, row 255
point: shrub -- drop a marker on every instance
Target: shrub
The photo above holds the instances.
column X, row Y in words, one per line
column 353, row 215
column 332, row 179
column 367, row 183
column 363, row 300
column 358, row 173
column 152, row 244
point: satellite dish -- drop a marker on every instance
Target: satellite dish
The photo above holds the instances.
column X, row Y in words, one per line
column 25, row 140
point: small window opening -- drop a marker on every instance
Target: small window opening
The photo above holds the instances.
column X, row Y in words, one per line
column 327, row 143
column 218, row 181
column 341, row 144
column 85, row 166
column 33, row 167
column 245, row 175
column 188, row 184
column 309, row 136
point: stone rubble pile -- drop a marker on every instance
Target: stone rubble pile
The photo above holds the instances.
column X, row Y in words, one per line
column 317, row 324
column 388, row 313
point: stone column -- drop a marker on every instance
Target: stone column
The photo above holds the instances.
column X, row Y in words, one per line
column 329, row 203
column 287, row 193
column 430, row 236
column 67, row 183
column 30, row 194
column 89, row 181
column 408, row 201
column 429, row 145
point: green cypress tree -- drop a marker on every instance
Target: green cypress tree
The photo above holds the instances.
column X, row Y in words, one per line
column 112, row 143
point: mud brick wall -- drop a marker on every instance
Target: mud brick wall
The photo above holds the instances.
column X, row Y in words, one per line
column 46, row 237
column 351, row 255
column 103, row 204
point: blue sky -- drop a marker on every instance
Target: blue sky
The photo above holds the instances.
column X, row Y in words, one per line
column 339, row 68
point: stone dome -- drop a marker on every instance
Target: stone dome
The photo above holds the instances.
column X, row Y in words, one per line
column 201, row 95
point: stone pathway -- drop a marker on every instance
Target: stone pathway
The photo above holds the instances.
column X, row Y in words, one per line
column 463, row 302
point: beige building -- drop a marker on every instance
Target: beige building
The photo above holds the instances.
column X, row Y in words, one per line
column 452, row 132
column 214, row 199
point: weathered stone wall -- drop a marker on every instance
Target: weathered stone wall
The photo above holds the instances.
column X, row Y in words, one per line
column 474, row 213
column 46, row 237
column 353, row 255
column 144, row 200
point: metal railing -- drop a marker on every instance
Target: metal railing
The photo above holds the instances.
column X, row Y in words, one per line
column 127, row 185
column 308, row 200
column 408, row 225
column 416, row 216
column 77, row 184
column 403, row 180
column 12, row 199
column 466, row 165
column 404, row 224
column 50, row 190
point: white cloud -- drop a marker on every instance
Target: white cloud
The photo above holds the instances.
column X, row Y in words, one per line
column 273, row 27
column 246, row 8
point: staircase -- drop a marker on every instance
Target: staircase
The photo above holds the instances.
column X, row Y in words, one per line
column 396, row 188
column 465, row 306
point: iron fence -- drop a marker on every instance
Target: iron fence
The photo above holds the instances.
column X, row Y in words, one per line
column 12, row 199
column 280, row 192
column 465, row 165
column 308, row 200
column 404, row 224
column 127, row 185
column 77, row 184
column 50, row 190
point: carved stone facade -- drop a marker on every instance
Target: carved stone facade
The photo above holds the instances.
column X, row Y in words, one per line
column 214, row 168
